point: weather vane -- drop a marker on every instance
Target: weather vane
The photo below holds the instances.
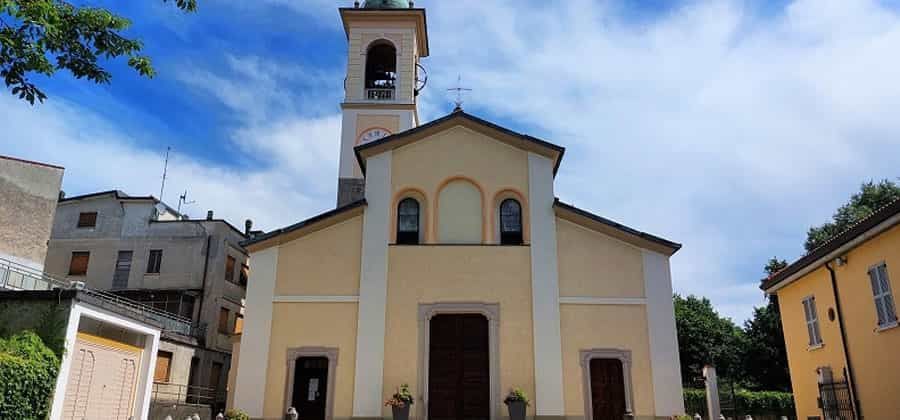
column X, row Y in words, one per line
column 459, row 93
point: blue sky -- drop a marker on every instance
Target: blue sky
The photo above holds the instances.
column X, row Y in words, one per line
column 729, row 126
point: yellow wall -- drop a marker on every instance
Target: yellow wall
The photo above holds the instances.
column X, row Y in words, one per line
column 592, row 264
column 366, row 122
column 462, row 210
column 803, row 361
column 875, row 359
column 622, row 327
column 428, row 164
column 459, row 274
column 324, row 263
column 312, row 325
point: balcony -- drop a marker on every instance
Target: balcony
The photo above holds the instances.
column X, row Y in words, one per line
column 380, row 94
column 17, row 277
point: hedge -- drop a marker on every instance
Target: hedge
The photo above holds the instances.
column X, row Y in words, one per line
column 749, row 402
column 28, row 371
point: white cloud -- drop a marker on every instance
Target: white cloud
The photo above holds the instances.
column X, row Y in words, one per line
column 711, row 124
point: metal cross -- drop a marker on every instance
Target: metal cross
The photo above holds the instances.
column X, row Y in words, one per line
column 459, row 93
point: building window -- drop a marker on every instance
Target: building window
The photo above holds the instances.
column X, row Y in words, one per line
column 215, row 377
column 163, row 367
column 812, row 321
column 223, row 321
column 87, row 220
column 229, row 269
column 884, row 299
column 238, row 323
column 381, row 71
column 79, row 264
column 123, row 270
column 408, row 222
column 245, row 275
column 154, row 261
column 510, row 222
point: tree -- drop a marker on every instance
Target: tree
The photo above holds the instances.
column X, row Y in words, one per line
column 870, row 198
column 765, row 356
column 43, row 36
column 705, row 338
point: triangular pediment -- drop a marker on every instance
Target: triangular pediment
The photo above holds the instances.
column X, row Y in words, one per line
column 460, row 119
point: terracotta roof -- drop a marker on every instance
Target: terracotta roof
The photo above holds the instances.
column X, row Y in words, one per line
column 666, row 245
column 413, row 134
column 834, row 243
column 32, row 162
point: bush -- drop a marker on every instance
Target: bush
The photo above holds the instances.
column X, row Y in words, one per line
column 28, row 371
column 748, row 402
column 236, row 415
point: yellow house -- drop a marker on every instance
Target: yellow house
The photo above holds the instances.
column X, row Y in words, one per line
column 449, row 265
column 840, row 322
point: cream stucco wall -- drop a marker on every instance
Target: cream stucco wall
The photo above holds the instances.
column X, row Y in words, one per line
column 471, row 274
column 492, row 166
column 311, row 325
column 592, row 264
column 619, row 327
column 461, row 205
column 325, row 263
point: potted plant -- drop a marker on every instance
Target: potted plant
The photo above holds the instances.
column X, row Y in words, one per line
column 516, row 401
column 400, row 403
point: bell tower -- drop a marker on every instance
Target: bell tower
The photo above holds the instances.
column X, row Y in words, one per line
column 386, row 39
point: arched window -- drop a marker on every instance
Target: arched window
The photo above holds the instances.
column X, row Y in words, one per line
column 381, row 71
column 510, row 222
column 408, row 222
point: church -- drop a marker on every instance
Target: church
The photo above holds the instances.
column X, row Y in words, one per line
column 450, row 265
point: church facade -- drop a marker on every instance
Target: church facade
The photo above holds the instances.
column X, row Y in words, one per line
column 450, row 265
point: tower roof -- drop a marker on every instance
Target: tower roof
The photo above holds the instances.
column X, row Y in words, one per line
column 386, row 4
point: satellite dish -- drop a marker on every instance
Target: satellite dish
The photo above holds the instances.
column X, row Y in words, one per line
column 159, row 209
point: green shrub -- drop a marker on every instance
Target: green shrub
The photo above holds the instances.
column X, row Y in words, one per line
column 750, row 402
column 236, row 415
column 28, row 371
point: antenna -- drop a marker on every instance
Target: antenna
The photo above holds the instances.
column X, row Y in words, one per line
column 459, row 92
column 162, row 188
column 182, row 199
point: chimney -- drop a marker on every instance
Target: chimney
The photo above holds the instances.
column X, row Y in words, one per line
column 209, row 215
column 62, row 194
column 248, row 227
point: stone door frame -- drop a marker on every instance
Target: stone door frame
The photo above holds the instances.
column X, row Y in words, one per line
column 491, row 311
column 296, row 353
column 616, row 354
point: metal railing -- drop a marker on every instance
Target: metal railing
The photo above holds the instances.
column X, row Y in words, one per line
column 380, row 94
column 190, row 395
column 17, row 277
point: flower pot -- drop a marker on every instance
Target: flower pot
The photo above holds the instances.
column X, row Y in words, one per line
column 401, row 413
column 516, row 410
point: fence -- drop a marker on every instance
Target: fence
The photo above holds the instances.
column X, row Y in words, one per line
column 188, row 395
column 738, row 403
column 836, row 401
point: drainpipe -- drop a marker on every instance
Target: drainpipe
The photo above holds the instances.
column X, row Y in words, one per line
column 203, row 283
column 857, row 410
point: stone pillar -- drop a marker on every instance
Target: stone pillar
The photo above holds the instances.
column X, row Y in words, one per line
column 712, row 393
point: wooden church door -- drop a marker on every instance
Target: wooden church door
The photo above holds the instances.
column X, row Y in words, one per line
column 607, row 389
column 310, row 387
column 459, row 368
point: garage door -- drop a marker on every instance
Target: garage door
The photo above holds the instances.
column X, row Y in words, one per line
column 102, row 380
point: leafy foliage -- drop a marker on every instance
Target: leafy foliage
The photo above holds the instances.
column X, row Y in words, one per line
column 765, row 355
column 28, row 372
column 43, row 36
column 870, row 198
column 516, row 395
column 401, row 398
column 236, row 415
column 755, row 402
column 705, row 338
column 46, row 319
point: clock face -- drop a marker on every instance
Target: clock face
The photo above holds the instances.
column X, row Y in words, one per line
column 372, row 134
